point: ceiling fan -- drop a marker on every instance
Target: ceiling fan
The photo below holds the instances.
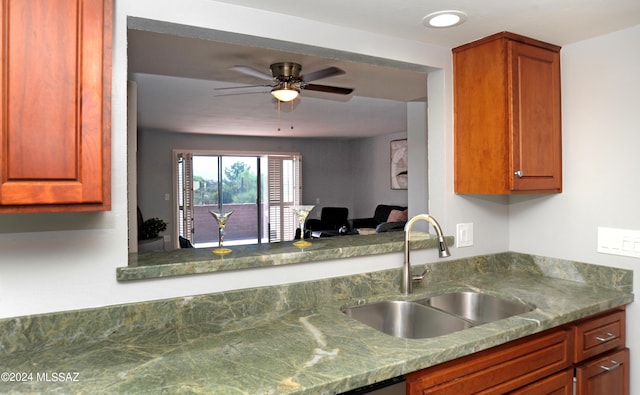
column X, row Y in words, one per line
column 286, row 81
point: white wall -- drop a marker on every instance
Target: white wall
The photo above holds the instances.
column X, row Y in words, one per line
column 418, row 199
column 55, row 262
column 601, row 136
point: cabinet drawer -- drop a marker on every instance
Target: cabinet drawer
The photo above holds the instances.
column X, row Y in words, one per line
column 608, row 374
column 499, row 369
column 557, row 384
column 599, row 335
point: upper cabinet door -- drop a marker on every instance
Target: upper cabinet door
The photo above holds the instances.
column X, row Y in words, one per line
column 507, row 116
column 55, row 123
column 535, row 100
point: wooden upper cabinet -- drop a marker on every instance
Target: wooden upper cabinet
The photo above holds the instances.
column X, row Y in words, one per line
column 55, row 125
column 507, row 116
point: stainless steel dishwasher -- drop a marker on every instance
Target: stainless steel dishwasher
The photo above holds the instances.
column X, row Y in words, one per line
column 394, row 386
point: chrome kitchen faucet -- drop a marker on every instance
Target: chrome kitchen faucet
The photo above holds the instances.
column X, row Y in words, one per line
column 407, row 277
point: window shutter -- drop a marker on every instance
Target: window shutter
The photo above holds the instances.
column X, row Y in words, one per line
column 185, row 195
column 275, row 199
column 284, row 191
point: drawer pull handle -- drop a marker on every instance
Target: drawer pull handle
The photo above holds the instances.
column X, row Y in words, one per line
column 615, row 366
column 610, row 336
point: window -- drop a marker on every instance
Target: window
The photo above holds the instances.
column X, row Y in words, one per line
column 225, row 182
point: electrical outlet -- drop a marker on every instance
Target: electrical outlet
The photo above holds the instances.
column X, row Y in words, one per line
column 464, row 235
column 615, row 241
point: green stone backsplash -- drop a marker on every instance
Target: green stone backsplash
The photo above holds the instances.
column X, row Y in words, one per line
column 234, row 310
column 586, row 273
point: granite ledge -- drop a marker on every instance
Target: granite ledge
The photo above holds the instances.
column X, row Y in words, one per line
column 187, row 261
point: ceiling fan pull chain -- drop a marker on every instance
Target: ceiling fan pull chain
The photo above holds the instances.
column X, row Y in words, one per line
column 278, row 115
column 291, row 114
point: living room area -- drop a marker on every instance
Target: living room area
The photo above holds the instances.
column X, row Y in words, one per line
column 353, row 174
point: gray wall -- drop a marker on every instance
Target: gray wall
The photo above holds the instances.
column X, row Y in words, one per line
column 372, row 175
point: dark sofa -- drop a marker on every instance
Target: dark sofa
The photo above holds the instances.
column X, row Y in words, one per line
column 330, row 222
column 379, row 220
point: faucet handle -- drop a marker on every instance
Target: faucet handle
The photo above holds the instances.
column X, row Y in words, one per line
column 419, row 277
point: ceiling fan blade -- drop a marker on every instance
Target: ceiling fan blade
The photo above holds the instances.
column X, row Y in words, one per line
column 252, row 72
column 320, row 74
column 327, row 89
column 232, row 93
column 242, row 87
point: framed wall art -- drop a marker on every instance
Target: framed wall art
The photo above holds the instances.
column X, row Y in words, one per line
column 399, row 164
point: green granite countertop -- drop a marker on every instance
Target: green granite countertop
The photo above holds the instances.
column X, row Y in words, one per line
column 289, row 339
column 185, row 261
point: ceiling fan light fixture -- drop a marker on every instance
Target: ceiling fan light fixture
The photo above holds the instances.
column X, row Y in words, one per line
column 285, row 92
column 443, row 19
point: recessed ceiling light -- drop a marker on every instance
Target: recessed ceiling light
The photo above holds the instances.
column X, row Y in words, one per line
column 441, row 19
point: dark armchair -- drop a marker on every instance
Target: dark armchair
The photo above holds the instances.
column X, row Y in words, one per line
column 331, row 220
column 379, row 221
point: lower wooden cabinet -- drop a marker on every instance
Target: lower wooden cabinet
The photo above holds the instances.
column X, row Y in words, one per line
column 557, row 384
column 604, row 375
column 602, row 364
column 587, row 355
column 500, row 369
column 599, row 334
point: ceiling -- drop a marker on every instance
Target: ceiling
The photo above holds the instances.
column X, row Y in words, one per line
column 177, row 72
column 177, row 77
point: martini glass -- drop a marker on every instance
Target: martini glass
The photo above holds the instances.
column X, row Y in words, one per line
column 302, row 212
column 221, row 219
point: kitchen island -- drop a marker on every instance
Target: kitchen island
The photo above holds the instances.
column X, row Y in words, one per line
column 291, row 339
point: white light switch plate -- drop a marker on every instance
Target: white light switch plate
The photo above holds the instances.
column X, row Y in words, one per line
column 464, row 234
column 619, row 241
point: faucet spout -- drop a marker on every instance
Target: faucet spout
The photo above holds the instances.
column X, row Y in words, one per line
column 443, row 249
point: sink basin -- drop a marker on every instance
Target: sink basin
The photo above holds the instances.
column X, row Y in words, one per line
column 435, row 316
column 406, row 319
column 477, row 307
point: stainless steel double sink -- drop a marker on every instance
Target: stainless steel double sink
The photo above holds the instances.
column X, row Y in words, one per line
column 435, row 316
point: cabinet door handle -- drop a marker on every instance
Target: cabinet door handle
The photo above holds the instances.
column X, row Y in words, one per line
column 519, row 173
column 615, row 365
column 610, row 336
